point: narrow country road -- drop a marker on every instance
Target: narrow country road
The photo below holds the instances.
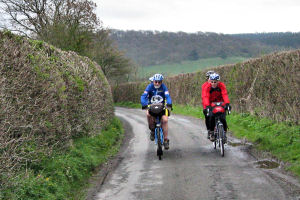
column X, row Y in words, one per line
column 191, row 168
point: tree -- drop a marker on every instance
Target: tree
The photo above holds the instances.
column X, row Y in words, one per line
column 36, row 16
column 113, row 62
column 222, row 54
column 69, row 25
column 193, row 55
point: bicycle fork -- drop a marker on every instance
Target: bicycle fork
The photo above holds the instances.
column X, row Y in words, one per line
column 161, row 135
column 217, row 131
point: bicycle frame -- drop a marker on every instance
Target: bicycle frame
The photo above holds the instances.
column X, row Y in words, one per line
column 159, row 134
column 218, row 126
column 219, row 133
column 158, row 127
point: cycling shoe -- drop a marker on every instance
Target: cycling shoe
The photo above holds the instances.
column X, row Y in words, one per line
column 166, row 144
column 152, row 135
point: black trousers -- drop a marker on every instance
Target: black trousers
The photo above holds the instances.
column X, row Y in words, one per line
column 206, row 119
column 212, row 122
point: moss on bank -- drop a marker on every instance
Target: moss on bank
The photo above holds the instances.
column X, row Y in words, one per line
column 65, row 174
column 49, row 98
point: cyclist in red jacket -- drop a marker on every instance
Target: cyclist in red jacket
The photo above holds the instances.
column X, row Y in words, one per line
column 203, row 87
column 215, row 92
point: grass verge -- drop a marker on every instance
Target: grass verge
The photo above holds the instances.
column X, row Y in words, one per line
column 282, row 140
column 65, row 175
column 128, row 104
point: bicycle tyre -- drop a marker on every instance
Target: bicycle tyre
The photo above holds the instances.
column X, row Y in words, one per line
column 215, row 143
column 159, row 145
column 221, row 139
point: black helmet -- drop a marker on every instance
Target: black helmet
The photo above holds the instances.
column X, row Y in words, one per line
column 209, row 73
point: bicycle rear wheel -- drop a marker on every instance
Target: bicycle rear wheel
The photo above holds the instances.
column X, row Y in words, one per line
column 215, row 143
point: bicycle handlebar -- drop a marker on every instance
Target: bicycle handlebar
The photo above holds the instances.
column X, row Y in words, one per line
column 228, row 111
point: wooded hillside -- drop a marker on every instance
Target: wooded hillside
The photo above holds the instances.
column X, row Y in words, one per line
column 153, row 47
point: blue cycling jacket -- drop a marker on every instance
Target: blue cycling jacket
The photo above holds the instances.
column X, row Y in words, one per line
column 151, row 91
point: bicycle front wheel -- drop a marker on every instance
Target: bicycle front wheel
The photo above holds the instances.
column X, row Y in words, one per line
column 159, row 144
column 221, row 140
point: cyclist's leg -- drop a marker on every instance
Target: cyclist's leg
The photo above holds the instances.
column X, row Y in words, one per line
column 211, row 128
column 164, row 120
column 223, row 120
column 151, row 121
column 211, row 123
column 206, row 119
column 207, row 123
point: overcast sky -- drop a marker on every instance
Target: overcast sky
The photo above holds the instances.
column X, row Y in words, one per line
column 220, row 16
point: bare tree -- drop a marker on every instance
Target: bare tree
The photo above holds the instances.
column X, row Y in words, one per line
column 36, row 16
column 113, row 62
column 69, row 25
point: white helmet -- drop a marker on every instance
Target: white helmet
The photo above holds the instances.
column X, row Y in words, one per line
column 158, row 77
column 214, row 76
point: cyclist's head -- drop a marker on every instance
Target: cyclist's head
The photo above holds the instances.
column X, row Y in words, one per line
column 158, row 77
column 214, row 79
column 157, row 80
column 151, row 79
column 208, row 74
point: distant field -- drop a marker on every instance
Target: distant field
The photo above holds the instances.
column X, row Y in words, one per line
column 187, row 66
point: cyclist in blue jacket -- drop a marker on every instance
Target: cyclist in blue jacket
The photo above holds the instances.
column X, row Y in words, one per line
column 153, row 90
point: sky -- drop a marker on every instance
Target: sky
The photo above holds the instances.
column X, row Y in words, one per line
column 219, row 16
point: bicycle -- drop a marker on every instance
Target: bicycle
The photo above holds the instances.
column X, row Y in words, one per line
column 219, row 134
column 156, row 110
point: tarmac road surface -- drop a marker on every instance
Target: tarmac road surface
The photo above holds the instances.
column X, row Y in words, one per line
column 191, row 169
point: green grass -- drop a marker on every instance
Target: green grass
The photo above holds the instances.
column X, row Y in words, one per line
column 128, row 104
column 188, row 110
column 280, row 139
column 65, row 175
column 187, row 66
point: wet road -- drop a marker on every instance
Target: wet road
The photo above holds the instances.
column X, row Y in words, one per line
column 191, row 168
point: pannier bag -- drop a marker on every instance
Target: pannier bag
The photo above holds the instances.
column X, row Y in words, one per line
column 156, row 109
column 218, row 108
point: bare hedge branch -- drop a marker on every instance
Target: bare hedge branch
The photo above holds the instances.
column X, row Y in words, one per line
column 48, row 97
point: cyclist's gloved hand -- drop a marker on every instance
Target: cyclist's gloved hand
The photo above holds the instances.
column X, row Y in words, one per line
column 169, row 106
column 227, row 106
column 144, row 107
column 208, row 110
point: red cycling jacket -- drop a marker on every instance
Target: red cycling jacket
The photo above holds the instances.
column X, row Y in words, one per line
column 206, row 84
column 218, row 94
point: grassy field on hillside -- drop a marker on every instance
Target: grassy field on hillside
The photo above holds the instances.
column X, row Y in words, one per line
column 187, row 66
